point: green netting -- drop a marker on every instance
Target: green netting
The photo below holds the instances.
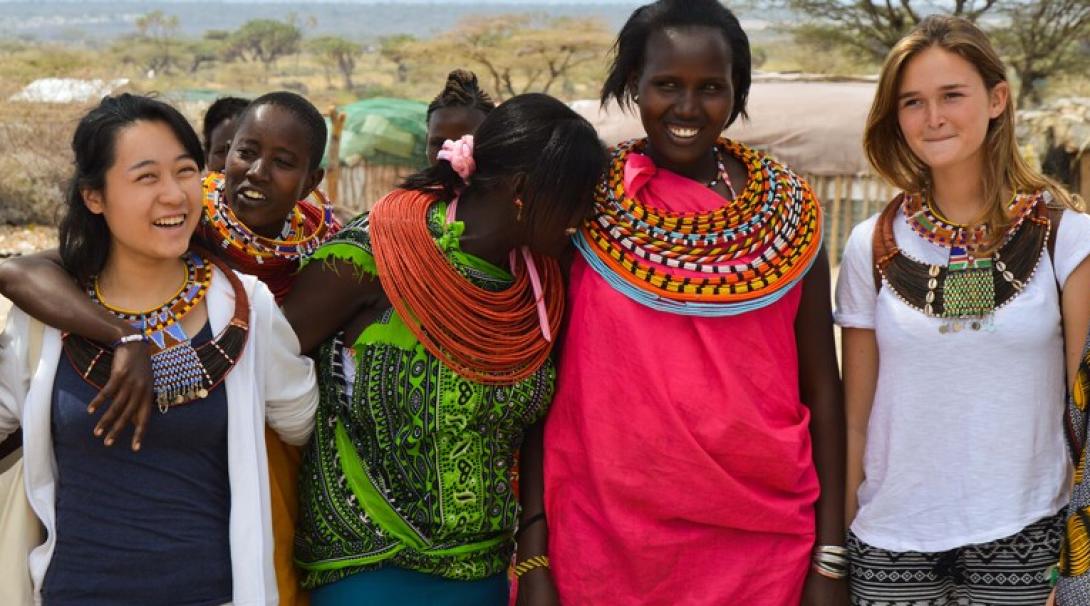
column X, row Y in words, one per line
column 384, row 131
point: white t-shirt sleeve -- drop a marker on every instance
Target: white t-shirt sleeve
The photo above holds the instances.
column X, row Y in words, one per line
column 856, row 295
column 291, row 385
column 1072, row 244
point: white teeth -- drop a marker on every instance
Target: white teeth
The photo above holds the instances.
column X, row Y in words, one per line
column 683, row 133
column 170, row 221
column 252, row 194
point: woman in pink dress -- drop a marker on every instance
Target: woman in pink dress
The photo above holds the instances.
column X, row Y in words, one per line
column 694, row 452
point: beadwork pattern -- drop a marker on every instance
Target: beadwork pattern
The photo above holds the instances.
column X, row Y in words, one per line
column 968, row 290
column 745, row 255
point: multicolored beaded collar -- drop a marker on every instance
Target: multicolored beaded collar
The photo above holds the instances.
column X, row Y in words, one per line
column 181, row 372
column 752, row 249
column 967, row 291
column 231, row 233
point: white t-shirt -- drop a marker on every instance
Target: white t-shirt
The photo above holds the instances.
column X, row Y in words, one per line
column 965, row 442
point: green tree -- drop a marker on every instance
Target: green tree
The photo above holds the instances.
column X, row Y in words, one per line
column 158, row 29
column 1042, row 39
column 399, row 49
column 338, row 52
column 264, row 41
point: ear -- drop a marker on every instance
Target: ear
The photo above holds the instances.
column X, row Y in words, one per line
column 998, row 99
column 312, row 181
column 92, row 199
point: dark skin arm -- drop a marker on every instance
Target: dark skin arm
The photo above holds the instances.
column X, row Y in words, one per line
column 39, row 285
column 820, row 389
column 535, row 588
column 329, row 296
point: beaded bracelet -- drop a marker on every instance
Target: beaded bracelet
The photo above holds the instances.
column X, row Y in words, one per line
column 136, row 338
column 539, row 561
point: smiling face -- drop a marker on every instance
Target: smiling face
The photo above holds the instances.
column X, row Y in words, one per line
column 944, row 109
column 451, row 123
column 685, row 97
column 268, row 168
column 219, row 143
column 151, row 200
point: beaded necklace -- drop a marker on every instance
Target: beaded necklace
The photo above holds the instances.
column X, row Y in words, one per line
column 721, row 173
column 492, row 337
column 739, row 257
column 161, row 325
column 967, row 291
column 181, row 373
column 231, row 233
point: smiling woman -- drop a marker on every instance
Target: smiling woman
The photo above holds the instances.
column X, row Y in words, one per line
column 194, row 500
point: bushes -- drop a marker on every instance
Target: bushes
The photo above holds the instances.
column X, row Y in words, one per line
column 35, row 160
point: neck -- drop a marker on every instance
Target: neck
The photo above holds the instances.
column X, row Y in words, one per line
column 703, row 170
column 489, row 220
column 139, row 283
column 958, row 193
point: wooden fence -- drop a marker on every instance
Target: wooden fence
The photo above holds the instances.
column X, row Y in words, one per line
column 847, row 200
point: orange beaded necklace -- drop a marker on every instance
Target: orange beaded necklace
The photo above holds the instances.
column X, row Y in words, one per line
column 492, row 337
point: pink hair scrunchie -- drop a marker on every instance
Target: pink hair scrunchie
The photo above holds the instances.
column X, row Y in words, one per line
column 460, row 155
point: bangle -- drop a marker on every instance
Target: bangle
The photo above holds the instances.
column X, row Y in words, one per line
column 830, row 561
column 539, row 561
column 523, row 525
column 136, row 338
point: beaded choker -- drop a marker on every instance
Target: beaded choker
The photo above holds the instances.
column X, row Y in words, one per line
column 967, row 291
column 181, row 373
column 293, row 246
column 742, row 256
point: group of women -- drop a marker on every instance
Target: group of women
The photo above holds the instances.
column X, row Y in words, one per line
column 612, row 374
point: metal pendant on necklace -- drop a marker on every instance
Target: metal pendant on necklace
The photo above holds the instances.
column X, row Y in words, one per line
column 968, row 292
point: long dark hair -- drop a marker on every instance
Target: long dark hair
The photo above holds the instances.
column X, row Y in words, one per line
column 631, row 46
column 84, row 236
column 536, row 136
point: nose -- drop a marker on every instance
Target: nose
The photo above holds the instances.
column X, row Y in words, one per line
column 686, row 106
column 174, row 192
column 935, row 118
column 257, row 170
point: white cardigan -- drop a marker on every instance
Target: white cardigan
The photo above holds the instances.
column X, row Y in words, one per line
column 271, row 382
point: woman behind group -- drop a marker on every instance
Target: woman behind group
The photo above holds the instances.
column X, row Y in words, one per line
column 456, row 111
column 184, row 519
column 956, row 303
column 428, row 389
column 698, row 387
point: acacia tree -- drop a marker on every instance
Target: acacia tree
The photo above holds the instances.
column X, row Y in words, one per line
column 158, row 29
column 1038, row 37
column 265, row 41
column 338, row 51
column 1044, row 38
column 522, row 54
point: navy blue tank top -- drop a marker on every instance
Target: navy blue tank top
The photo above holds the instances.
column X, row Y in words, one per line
column 142, row 528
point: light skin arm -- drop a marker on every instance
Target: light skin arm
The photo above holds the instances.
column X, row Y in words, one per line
column 820, row 390
column 860, row 351
column 1076, row 315
column 39, row 285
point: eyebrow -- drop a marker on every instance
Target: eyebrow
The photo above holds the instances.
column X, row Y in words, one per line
column 143, row 163
column 945, row 87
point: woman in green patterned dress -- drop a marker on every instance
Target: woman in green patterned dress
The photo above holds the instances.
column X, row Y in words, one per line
column 406, row 489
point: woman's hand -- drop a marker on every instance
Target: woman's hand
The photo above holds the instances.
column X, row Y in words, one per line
column 536, row 588
column 129, row 393
column 823, row 591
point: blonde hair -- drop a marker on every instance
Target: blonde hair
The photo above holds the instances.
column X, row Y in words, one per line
column 1005, row 170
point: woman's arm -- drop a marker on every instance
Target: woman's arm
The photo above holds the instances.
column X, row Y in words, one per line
column 535, row 588
column 820, row 389
column 40, row 286
column 1076, row 316
column 860, row 359
column 291, row 384
column 327, row 296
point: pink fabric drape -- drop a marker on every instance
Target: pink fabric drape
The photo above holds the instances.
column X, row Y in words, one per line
column 678, row 467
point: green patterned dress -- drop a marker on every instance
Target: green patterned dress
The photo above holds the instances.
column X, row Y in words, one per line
column 413, row 468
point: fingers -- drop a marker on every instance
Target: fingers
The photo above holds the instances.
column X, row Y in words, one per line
column 140, row 420
column 105, row 394
column 113, row 420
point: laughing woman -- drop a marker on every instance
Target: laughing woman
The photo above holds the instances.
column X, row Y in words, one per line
column 185, row 519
